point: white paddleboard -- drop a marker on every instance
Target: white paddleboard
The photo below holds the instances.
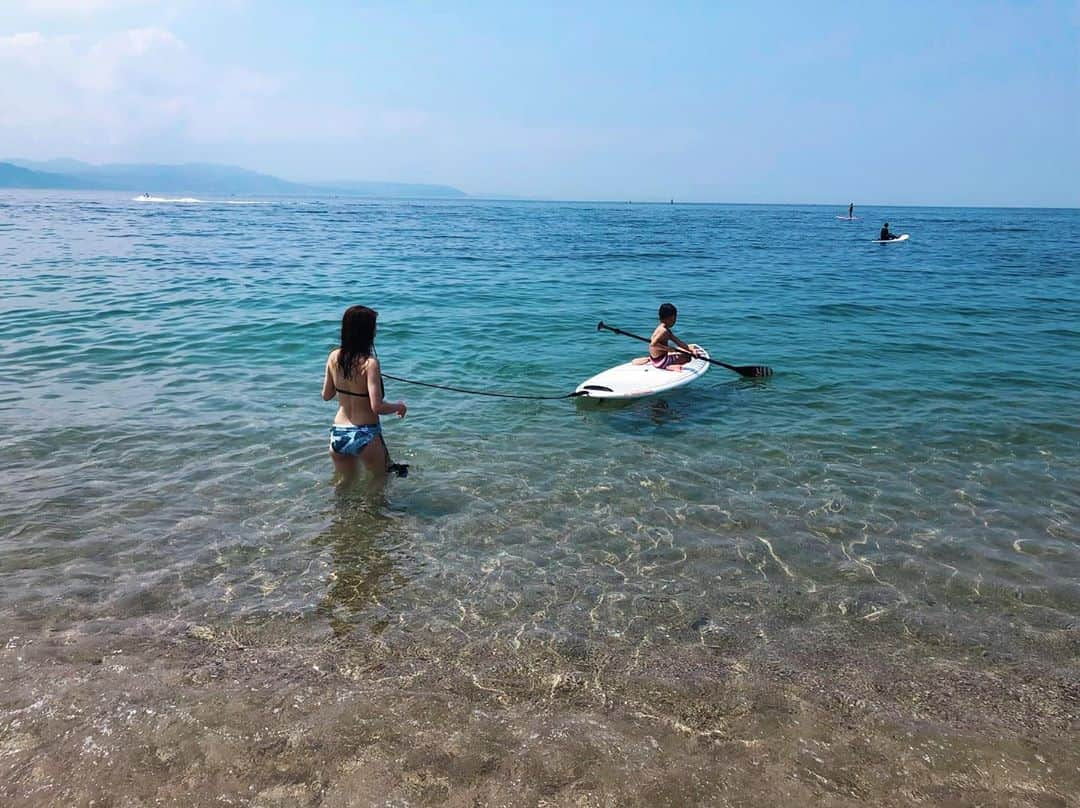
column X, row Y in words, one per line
column 637, row 381
column 904, row 237
column 849, row 218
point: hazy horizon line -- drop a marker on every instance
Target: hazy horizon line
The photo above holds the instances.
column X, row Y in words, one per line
column 470, row 197
column 492, row 196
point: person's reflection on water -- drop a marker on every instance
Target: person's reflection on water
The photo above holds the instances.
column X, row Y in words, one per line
column 660, row 412
column 361, row 541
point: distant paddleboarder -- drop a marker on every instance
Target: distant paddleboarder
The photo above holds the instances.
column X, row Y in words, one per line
column 851, row 211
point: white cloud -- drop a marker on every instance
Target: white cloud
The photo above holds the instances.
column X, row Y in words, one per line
column 108, row 97
column 102, row 89
column 142, row 61
column 26, row 42
column 80, row 7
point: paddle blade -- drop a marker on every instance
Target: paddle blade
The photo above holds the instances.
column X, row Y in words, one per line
column 754, row 371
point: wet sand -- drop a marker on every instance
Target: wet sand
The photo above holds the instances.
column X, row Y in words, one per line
column 731, row 709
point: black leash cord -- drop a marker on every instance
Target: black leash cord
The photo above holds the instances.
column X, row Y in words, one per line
column 482, row 392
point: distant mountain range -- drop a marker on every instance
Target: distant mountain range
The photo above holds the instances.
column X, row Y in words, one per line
column 15, row 176
column 193, row 178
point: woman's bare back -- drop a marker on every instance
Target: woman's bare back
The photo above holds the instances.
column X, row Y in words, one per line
column 354, row 394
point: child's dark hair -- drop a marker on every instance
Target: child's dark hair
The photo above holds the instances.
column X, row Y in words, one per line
column 667, row 310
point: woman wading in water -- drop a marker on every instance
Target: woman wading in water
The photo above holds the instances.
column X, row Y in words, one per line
column 353, row 375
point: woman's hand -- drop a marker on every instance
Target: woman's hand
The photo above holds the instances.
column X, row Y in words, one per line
column 401, row 409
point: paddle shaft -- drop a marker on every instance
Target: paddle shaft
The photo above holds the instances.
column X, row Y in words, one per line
column 746, row 370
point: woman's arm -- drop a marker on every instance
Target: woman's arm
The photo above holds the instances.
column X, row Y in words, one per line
column 328, row 381
column 375, row 393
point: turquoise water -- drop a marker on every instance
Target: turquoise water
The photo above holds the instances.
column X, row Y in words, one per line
column 914, row 462
column 162, row 367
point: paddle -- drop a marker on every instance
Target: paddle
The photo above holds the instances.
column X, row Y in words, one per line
column 749, row 371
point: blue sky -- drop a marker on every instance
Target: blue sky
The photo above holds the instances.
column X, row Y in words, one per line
column 915, row 103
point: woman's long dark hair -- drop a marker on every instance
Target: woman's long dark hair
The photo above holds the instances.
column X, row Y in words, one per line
column 357, row 337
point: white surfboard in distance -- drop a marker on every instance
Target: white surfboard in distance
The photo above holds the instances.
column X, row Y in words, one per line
column 903, row 237
column 849, row 218
column 637, row 381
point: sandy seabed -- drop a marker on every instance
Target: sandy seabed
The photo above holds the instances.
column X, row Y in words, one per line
column 870, row 710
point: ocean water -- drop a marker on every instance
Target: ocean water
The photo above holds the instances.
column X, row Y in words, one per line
column 908, row 481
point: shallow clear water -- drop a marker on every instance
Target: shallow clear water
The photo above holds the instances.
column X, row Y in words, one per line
column 164, row 439
column 915, row 458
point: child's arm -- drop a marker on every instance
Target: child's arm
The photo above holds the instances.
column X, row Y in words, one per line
column 660, row 339
column 677, row 341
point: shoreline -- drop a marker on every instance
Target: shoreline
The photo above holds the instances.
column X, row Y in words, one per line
column 292, row 712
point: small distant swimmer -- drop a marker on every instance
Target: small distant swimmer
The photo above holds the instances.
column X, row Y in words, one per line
column 851, row 211
column 886, row 235
column 146, row 195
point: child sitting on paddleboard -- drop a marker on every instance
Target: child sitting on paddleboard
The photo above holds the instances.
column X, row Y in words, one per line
column 661, row 355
